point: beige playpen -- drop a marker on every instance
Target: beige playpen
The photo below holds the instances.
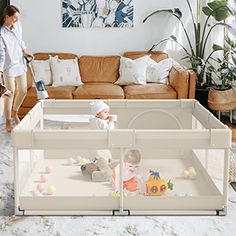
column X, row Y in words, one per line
column 171, row 135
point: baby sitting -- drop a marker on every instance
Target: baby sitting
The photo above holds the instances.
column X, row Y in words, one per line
column 133, row 182
column 101, row 118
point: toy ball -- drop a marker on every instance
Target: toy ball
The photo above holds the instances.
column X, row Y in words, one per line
column 40, row 188
column 78, row 159
column 70, row 161
column 190, row 173
column 48, row 169
column 44, row 177
column 186, row 173
column 51, row 190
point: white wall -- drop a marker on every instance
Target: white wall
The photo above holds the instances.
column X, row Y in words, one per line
column 42, row 29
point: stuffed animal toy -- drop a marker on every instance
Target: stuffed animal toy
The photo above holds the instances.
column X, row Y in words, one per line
column 100, row 170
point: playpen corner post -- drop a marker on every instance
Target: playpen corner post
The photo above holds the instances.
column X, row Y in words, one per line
column 226, row 175
column 121, row 209
column 16, row 177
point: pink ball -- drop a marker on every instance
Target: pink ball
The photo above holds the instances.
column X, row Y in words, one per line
column 40, row 188
column 44, row 177
column 78, row 159
column 48, row 169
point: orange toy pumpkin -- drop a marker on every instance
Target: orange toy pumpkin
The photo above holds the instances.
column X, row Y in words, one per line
column 155, row 186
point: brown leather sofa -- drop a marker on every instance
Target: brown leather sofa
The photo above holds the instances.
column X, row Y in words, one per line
column 98, row 74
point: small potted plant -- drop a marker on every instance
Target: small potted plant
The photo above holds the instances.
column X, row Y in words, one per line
column 222, row 96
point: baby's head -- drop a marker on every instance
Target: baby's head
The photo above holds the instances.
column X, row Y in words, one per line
column 100, row 109
column 132, row 160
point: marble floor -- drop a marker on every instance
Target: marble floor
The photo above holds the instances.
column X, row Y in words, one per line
column 95, row 225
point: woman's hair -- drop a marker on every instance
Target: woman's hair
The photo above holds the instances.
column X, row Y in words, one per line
column 8, row 11
column 132, row 156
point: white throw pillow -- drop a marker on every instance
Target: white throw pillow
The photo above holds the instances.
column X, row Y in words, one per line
column 132, row 71
column 65, row 72
column 42, row 71
column 158, row 72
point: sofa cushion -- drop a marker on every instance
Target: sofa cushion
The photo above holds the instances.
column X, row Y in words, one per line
column 155, row 55
column 98, row 91
column 158, row 72
column 133, row 71
column 94, row 69
column 64, row 92
column 149, row 91
column 42, row 71
column 65, row 72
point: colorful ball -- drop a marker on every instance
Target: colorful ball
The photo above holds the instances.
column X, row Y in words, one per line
column 51, row 190
column 78, row 159
column 70, row 161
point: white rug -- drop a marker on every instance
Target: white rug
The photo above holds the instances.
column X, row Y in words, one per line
column 108, row 226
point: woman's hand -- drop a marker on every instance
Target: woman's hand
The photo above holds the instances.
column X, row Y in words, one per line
column 27, row 53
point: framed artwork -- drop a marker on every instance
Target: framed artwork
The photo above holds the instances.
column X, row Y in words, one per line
column 97, row 13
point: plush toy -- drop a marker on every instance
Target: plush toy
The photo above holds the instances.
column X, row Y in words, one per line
column 157, row 186
column 100, row 170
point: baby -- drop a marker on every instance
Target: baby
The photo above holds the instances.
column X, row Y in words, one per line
column 132, row 177
column 101, row 118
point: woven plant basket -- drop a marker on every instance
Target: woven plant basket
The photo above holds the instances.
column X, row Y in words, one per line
column 222, row 100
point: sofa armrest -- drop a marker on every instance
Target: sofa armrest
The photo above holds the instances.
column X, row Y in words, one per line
column 183, row 81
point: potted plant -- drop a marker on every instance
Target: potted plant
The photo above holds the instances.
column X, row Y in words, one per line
column 222, row 96
column 196, row 50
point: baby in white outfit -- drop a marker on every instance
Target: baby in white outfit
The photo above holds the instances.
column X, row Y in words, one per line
column 101, row 118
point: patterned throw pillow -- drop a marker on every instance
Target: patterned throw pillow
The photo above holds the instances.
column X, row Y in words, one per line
column 132, row 71
column 158, row 72
column 65, row 72
column 42, row 71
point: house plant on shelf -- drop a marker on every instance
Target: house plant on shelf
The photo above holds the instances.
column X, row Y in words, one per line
column 195, row 50
column 222, row 96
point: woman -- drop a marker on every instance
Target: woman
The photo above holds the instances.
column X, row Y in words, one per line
column 12, row 64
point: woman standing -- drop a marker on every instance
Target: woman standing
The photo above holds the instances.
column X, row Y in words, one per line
column 12, row 64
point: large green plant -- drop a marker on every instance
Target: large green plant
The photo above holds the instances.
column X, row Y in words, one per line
column 196, row 50
column 225, row 72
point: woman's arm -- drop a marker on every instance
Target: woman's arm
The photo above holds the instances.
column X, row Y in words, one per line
column 2, row 54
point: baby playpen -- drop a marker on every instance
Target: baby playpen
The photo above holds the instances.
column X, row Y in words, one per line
column 174, row 137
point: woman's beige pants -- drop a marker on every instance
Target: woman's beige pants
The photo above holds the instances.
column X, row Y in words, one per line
column 18, row 88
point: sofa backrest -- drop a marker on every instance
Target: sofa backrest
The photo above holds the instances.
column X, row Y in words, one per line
column 97, row 69
column 155, row 55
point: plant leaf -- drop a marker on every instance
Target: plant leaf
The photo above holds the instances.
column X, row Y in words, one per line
column 218, row 9
column 217, row 47
column 178, row 12
column 158, row 12
column 173, row 37
column 207, row 11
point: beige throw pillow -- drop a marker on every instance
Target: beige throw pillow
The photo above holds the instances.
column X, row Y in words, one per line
column 158, row 72
column 132, row 71
column 42, row 71
column 65, row 72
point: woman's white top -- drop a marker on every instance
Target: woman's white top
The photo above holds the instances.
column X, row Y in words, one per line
column 97, row 123
column 12, row 61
